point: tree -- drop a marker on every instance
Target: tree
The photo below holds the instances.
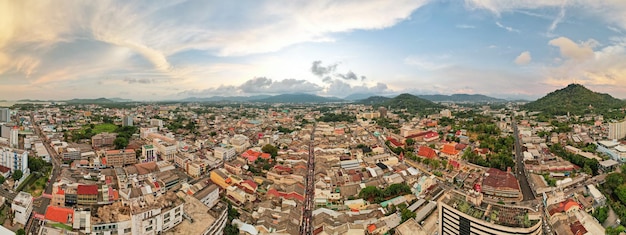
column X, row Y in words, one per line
column 410, row 142
column 620, row 192
column 20, row 232
column 2, row 179
column 35, row 164
column 120, row 142
column 17, row 175
column 371, row 193
column 613, row 180
column 271, row 149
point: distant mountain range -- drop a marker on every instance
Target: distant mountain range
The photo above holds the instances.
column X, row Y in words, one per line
column 575, row 99
column 298, row 98
column 458, row 98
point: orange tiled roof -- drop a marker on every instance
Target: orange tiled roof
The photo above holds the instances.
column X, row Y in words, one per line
column 59, row 214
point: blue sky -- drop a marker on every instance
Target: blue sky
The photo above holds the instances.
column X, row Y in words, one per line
column 152, row 50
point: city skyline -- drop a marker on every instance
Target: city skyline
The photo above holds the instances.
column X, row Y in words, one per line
column 155, row 50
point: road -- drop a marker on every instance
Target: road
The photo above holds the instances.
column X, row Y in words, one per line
column 41, row 204
column 306, row 224
column 520, row 172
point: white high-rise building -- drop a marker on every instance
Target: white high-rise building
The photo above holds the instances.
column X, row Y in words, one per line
column 127, row 120
column 617, row 130
column 14, row 137
column 15, row 159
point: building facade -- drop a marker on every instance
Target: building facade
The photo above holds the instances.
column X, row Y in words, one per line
column 22, row 206
column 15, row 159
column 617, row 130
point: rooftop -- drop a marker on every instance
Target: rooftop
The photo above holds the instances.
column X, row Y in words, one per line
column 505, row 215
column 500, row 179
column 200, row 220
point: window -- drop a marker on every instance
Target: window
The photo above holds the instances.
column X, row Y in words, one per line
column 166, row 216
column 177, row 209
column 127, row 230
column 166, row 221
column 149, row 229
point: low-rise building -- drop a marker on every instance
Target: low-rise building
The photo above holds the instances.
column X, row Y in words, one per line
column 22, row 206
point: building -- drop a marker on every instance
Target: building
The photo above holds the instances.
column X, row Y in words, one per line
column 14, row 137
column 14, row 159
column 209, row 195
column 87, row 194
column 155, row 215
column 103, row 139
column 5, row 115
column 71, row 154
column 225, row 154
column 598, row 198
column 156, row 122
column 120, row 158
column 165, row 149
column 213, row 219
column 219, row 177
column 458, row 216
column 22, row 206
column 240, row 143
column 148, row 153
column 127, row 120
column 617, row 130
column 501, row 184
column 382, row 111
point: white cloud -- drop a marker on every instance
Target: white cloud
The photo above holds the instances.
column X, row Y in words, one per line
column 523, row 58
column 571, row 50
column 510, row 29
column 340, row 88
column 465, row 26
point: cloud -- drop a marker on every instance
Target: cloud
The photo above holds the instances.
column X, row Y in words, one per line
column 465, row 26
column 510, row 29
column 341, row 89
column 318, row 70
column 154, row 33
column 263, row 85
column 348, row 76
column 138, row 80
column 523, row 58
column 213, row 91
column 558, row 19
column 602, row 68
column 571, row 50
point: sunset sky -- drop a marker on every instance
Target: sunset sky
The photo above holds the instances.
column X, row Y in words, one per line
column 170, row 49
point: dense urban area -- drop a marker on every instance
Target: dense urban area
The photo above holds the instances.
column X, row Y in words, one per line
column 383, row 165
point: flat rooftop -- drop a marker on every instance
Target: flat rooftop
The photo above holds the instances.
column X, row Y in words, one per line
column 200, row 221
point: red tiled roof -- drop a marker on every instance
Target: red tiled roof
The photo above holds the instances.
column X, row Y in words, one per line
column 59, row 214
column 395, row 142
column 60, row 191
column 460, row 146
column 87, row 189
column 4, row 169
column 500, row 179
column 577, row 228
column 251, row 183
column 426, row 152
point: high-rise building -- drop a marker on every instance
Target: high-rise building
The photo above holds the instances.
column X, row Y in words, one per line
column 383, row 112
column 5, row 115
column 468, row 214
column 617, row 130
column 14, row 159
column 127, row 120
column 14, row 137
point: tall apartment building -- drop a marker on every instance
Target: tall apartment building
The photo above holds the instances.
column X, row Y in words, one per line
column 127, row 120
column 14, row 137
column 103, row 139
column 468, row 214
column 15, row 159
column 617, row 130
column 5, row 115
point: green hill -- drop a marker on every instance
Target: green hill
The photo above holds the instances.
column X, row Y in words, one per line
column 411, row 103
column 575, row 99
column 373, row 100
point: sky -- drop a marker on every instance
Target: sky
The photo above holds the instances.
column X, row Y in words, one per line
column 174, row 49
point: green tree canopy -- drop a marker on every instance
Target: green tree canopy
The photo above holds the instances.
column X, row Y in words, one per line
column 120, row 142
column 17, row 175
